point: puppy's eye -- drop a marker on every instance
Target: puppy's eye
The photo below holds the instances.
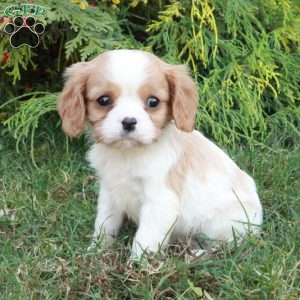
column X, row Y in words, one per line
column 152, row 101
column 104, row 100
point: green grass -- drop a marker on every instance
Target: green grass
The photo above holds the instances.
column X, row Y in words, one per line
column 43, row 248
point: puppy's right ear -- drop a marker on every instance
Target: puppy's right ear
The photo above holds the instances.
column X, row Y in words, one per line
column 71, row 103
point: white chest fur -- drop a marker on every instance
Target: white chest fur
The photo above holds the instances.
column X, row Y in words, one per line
column 126, row 174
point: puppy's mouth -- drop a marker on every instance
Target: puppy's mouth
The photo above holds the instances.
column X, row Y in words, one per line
column 124, row 141
column 129, row 140
column 124, row 135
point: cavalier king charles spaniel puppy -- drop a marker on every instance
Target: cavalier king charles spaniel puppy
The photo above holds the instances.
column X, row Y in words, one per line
column 153, row 166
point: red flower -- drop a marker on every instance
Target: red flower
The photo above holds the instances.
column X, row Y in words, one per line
column 5, row 57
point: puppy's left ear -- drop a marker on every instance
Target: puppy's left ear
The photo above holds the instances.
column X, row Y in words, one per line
column 184, row 97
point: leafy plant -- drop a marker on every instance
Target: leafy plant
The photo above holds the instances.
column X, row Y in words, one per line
column 244, row 56
column 78, row 34
column 246, row 63
column 25, row 121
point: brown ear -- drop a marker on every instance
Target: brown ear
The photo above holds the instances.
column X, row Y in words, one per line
column 184, row 97
column 71, row 103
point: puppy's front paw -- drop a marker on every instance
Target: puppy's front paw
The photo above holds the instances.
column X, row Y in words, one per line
column 137, row 251
column 93, row 245
column 142, row 258
column 102, row 242
column 140, row 252
column 136, row 257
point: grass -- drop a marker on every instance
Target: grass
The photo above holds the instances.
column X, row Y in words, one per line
column 49, row 222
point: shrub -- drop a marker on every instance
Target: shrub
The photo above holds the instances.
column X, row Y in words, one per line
column 243, row 54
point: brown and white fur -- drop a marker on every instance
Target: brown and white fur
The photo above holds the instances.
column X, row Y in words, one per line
column 166, row 177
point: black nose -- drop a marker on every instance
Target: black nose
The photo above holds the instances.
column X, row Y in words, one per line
column 129, row 123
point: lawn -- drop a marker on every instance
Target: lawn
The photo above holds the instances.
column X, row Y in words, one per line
column 48, row 222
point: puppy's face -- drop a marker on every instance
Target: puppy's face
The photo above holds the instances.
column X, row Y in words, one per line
column 128, row 97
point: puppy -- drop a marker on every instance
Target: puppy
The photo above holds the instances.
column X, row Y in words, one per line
column 154, row 168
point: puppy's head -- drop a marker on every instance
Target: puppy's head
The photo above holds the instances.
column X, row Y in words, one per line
column 128, row 97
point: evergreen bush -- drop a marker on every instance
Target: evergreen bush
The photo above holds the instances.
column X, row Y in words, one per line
column 244, row 55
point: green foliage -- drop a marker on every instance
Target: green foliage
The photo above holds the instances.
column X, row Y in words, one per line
column 25, row 121
column 244, row 56
column 19, row 60
column 79, row 34
column 92, row 30
column 247, row 64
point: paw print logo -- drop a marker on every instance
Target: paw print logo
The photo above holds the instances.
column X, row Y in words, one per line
column 24, row 31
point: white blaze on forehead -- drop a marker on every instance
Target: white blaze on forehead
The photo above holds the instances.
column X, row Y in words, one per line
column 127, row 68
